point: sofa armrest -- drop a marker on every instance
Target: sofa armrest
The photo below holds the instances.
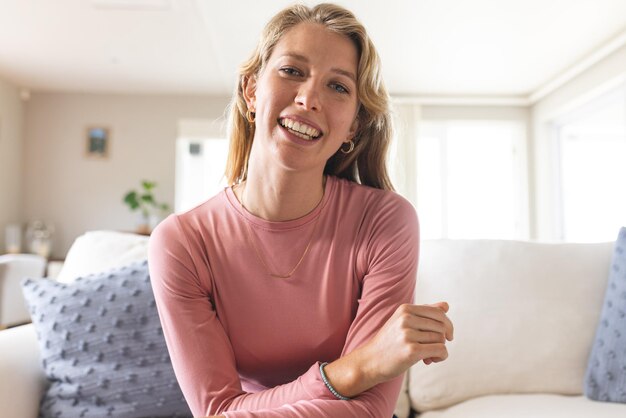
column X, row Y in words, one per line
column 22, row 379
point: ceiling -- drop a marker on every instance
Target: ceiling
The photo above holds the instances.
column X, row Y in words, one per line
column 435, row 48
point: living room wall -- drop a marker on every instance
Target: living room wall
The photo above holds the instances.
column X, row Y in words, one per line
column 77, row 193
column 11, row 142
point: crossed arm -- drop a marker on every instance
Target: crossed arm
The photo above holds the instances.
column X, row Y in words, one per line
column 387, row 336
column 413, row 333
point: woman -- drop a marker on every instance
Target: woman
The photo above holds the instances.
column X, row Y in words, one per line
column 287, row 295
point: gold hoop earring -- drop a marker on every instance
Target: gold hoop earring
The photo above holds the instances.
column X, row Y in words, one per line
column 250, row 116
column 350, row 147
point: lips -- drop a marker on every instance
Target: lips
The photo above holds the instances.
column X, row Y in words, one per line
column 300, row 129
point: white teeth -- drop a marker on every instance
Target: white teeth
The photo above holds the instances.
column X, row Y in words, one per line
column 307, row 132
column 303, row 136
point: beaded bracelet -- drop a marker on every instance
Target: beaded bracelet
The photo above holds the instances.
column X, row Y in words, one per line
column 329, row 386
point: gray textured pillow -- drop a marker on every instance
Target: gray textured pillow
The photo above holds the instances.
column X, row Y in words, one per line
column 605, row 379
column 102, row 347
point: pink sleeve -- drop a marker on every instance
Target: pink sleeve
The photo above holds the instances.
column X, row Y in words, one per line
column 194, row 333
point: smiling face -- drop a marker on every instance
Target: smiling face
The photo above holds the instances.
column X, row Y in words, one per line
column 305, row 98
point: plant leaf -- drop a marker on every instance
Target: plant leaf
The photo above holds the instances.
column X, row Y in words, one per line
column 131, row 200
column 148, row 185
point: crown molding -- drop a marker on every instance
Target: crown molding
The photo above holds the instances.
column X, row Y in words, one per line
column 596, row 56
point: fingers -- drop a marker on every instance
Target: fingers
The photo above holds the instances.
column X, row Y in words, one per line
column 442, row 305
column 445, row 307
column 429, row 346
column 431, row 360
column 435, row 352
column 425, row 337
column 421, row 323
column 435, row 312
column 431, row 337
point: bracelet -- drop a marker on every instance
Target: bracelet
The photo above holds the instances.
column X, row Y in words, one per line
column 329, row 386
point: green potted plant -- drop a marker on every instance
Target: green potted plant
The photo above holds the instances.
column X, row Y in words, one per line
column 144, row 201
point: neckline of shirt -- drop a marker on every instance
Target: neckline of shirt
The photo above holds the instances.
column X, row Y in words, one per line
column 255, row 221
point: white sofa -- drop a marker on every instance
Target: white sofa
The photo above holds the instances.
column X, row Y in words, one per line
column 525, row 316
column 13, row 267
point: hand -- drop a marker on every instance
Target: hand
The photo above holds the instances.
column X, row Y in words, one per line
column 413, row 333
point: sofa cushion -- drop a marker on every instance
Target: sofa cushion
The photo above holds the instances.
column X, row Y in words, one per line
column 22, row 382
column 102, row 347
column 98, row 251
column 535, row 406
column 403, row 404
column 524, row 315
column 606, row 372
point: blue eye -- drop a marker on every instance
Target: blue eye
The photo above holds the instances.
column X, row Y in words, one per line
column 339, row 88
column 290, row 71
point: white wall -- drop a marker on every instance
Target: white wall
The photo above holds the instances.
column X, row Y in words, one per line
column 11, row 133
column 77, row 194
column 594, row 81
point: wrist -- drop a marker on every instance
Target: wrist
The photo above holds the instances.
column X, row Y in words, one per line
column 350, row 375
column 329, row 386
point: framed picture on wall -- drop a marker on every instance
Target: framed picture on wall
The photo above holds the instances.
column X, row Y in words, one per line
column 98, row 142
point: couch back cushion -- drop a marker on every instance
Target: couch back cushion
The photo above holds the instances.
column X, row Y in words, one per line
column 98, row 251
column 524, row 314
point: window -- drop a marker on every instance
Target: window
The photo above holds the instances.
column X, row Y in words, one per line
column 200, row 165
column 471, row 179
column 592, row 149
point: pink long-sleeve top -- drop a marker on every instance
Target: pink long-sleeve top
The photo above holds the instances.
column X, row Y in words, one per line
column 244, row 344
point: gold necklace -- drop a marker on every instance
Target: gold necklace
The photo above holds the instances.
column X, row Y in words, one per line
column 258, row 252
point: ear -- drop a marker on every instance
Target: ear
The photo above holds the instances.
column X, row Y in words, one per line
column 248, row 86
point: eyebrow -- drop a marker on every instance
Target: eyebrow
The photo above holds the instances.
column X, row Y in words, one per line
column 334, row 69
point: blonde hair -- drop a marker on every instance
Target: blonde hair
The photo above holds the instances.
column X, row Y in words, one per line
column 366, row 164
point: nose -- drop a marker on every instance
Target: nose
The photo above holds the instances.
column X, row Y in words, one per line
column 308, row 96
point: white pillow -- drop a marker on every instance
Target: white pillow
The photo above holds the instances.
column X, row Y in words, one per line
column 525, row 315
column 98, row 251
